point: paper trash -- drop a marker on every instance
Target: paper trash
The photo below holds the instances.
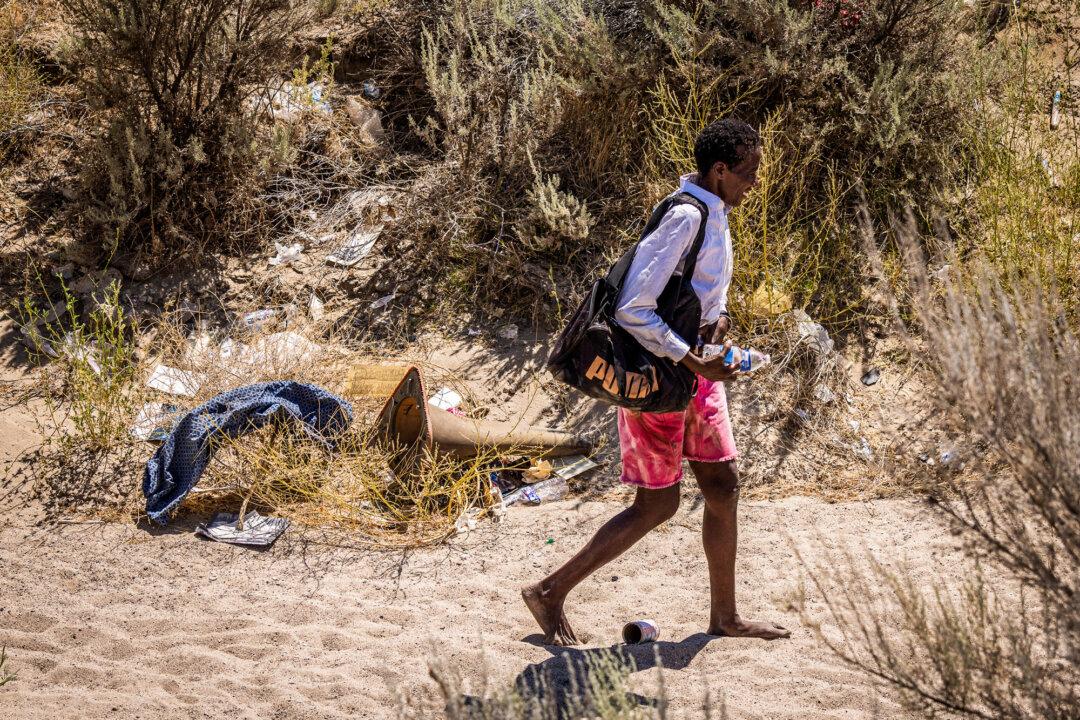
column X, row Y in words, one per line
column 568, row 467
column 259, row 531
column 445, row 399
column 173, row 381
column 356, row 248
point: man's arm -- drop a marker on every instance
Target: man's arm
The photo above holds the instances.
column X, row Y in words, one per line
column 658, row 256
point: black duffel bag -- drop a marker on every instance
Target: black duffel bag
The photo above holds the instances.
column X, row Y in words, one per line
column 600, row 358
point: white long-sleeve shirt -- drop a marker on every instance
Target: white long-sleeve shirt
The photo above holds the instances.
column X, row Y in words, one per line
column 660, row 254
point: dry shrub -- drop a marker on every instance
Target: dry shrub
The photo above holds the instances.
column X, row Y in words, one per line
column 173, row 155
column 20, row 82
column 1020, row 206
column 546, row 130
column 872, row 86
column 1002, row 356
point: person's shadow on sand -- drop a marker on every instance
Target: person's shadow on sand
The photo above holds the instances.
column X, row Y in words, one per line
column 565, row 683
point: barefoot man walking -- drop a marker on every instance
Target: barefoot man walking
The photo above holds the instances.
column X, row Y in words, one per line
column 653, row 445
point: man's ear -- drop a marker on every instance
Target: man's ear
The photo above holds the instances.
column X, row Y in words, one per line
column 719, row 167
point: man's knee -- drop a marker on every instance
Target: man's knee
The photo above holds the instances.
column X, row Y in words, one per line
column 658, row 505
column 719, row 482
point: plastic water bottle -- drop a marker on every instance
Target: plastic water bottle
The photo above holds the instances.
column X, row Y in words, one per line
column 747, row 359
column 554, row 488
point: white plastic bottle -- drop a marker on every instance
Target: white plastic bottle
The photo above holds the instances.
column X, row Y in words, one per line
column 554, row 488
column 748, row 359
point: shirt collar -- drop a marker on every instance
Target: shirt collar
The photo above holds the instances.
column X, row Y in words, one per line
column 713, row 202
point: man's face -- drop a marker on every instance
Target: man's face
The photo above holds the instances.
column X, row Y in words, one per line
column 735, row 182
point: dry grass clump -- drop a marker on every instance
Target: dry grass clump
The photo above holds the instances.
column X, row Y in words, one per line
column 1002, row 354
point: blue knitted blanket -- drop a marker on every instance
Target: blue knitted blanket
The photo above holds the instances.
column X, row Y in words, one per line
column 177, row 465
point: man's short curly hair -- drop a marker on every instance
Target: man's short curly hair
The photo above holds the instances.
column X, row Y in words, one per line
column 728, row 141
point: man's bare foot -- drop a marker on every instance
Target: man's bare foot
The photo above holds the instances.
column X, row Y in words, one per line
column 549, row 615
column 745, row 628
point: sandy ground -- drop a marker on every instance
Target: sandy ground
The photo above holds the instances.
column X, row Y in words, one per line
column 111, row 620
column 114, row 621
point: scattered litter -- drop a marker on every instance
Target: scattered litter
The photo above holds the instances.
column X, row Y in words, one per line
column 383, row 301
column 539, row 471
column 286, row 253
column 863, row 449
column 942, row 273
column 813, row 333
column 316, row 308
column 467, row 520
column 1055, row 181
column 823, row 393
column 368, row 120
column 278, row 349
column 568, row 467
column 373, row 380
column 57, row 311
column 78, row 353
column 948, row 457
column 257, row 319
column 356, row 248
column 871, row 377
column 854, row 425
column 509, row 332
column 258, row 530
column 371, row 90
column 640, row 631
column 925, row 457
column 173, row 381
column 289, row 101
column 1055, row 111
column 445, row 399
column 149, row 423
column 802, row 415
column 473, row 332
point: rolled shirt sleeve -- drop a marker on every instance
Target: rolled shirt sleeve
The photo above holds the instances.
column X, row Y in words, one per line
column 658, row 256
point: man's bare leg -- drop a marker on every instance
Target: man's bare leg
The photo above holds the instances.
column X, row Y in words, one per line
column 719, row 483
column 545, row 599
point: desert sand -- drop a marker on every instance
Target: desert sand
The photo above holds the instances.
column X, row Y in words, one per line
column 113, row 620
column 105, row 620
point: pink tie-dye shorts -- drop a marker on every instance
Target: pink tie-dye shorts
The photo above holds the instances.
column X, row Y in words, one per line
column 653, row 445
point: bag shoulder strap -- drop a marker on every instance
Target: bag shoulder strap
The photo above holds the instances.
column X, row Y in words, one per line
column 617, row 275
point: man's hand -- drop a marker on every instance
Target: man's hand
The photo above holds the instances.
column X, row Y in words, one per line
column 714, row 369
column 719, row 330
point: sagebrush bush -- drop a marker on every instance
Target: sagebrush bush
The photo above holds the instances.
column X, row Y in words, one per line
column 173, row 151
column 1001, row 356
